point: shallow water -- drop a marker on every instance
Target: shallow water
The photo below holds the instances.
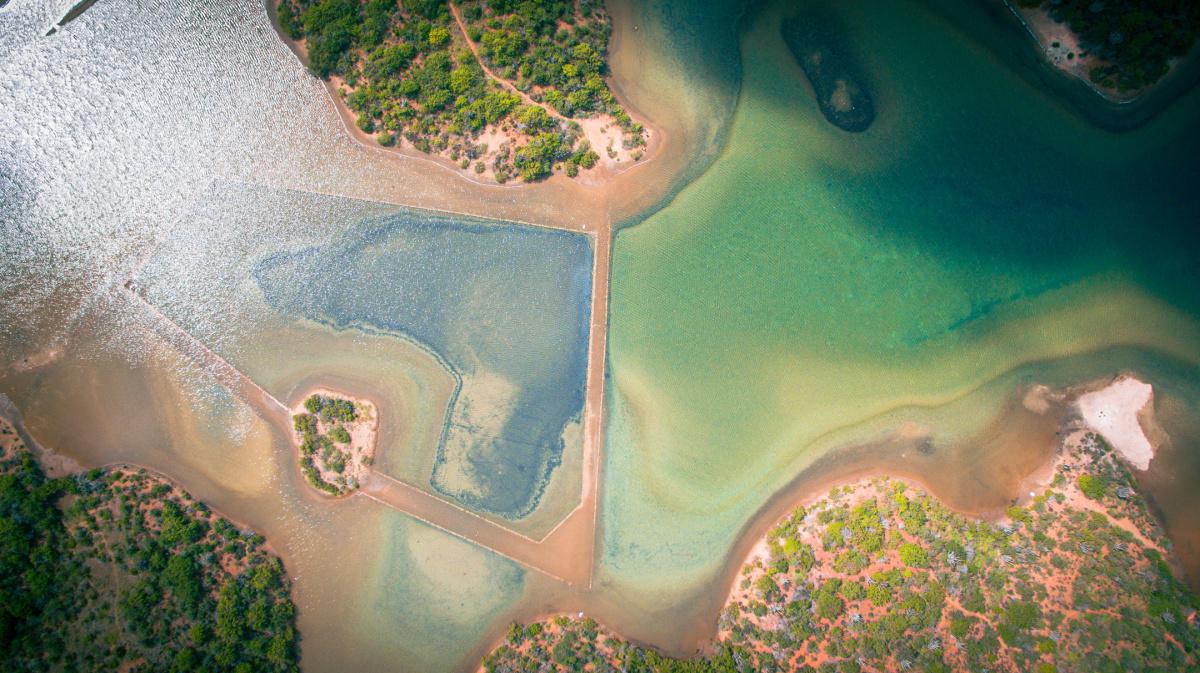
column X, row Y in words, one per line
column 503, row 308
column 373, row 586
column 816, row 289
column 782, row 321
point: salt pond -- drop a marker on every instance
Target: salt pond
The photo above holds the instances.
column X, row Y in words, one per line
column 501, row 308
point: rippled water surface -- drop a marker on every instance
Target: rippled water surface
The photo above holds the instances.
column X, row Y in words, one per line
column 502, row 308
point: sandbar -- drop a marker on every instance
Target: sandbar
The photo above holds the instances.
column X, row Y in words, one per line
column 1114, row 411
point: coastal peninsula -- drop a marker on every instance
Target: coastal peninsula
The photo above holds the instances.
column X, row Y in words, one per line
column 498, row 89
column 117, row 569
column 878, row 575
column 1120, row 48
column 336, row 438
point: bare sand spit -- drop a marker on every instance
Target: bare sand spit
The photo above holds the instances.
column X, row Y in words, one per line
column 1116, row 412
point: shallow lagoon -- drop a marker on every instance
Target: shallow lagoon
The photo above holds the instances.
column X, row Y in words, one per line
column 372, row 586
column 501, row 307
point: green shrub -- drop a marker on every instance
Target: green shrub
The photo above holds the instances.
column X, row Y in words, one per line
column 913, row 555
column 1093, row 486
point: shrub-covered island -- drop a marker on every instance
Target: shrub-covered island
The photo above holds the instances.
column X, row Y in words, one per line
column 501, row 88
column 879, row 576
column 117, row 570
column 336, row 436
column 1120, row 46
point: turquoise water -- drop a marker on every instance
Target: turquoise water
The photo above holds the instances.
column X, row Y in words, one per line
column 812, row 285
column 502, row 307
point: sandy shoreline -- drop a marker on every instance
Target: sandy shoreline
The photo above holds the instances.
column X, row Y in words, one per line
column 56, row 465
column 593, row 190
column 1060, row 48
column 53, row 463
column 1124, row 398
column 1060, row 404
column 1116, row 413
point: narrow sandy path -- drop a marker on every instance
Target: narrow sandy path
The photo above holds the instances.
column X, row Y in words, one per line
column 462, row 28
column 270, row 408
column 593, row 431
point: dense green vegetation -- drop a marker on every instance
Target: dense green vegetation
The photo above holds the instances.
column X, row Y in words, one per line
column 116, row 570
column 410, row 76
column 320, row 450
column 1135, row 39
column 879, row 577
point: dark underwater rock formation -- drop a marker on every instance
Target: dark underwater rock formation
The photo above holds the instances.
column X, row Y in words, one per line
column 818, row 46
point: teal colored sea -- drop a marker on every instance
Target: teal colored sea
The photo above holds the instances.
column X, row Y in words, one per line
column 816, row 290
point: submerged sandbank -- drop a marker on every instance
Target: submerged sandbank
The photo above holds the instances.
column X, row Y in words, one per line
column 818, row 44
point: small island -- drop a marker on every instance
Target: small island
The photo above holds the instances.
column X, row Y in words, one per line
column 336, row 438
column 499, row 89
column 817, row 44
column 1120, row 48
column 880, row 576
column 119, row 570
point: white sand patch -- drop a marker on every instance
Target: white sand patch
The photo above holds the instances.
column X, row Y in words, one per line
column 1113, row 412
column 603, row 134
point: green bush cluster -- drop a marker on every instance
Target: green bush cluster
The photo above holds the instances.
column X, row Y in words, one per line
column 331, row 409
column 1093, row 486
column 522, row 42
column 407, row 80
column 115, row 570
column 316, row 446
